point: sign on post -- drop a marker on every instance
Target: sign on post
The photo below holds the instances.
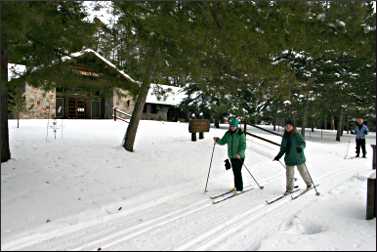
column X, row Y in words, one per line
column 198, row 125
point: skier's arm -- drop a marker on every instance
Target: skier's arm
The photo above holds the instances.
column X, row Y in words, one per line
column 224, row 139
column 366, row 130
column 301, row 141
column 283, row 149
column 242, row 147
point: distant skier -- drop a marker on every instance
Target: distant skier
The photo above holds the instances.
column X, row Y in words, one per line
column 236, row 141
column 360, row 131
column 292, row 145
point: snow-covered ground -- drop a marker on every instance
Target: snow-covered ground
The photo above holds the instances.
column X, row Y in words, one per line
column 83, row 191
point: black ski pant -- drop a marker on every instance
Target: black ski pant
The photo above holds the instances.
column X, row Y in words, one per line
column 360, row 143
column 236, row 167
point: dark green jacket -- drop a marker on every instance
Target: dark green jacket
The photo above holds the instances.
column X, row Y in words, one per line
column 236, row 143
column 291, row 145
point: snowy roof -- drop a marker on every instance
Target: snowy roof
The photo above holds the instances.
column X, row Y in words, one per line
column 173, row 96
column 15, row 71
column 78, row 54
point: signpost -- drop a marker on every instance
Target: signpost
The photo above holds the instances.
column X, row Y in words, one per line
column 198, row 125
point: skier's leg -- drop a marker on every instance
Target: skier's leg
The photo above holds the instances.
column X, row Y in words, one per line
column 234, row 173
column 240, row 173
column 357, row 147
column 362, row 143
column 304, row 174
column 237, row 165
column 290, row 173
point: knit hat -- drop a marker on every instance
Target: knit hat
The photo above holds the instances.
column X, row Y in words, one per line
column 233, row 122
column 290, row 121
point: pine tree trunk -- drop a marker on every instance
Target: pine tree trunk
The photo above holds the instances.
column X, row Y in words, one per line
column 340, row 125
column 4, row 131
column 332, row 122
column 217, row 124
column 129, row 138
column 325, row 122
column 305, row 119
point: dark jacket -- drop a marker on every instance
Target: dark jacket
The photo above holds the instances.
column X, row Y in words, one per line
column 236, row 143
column 361, row 131
column 292, row 145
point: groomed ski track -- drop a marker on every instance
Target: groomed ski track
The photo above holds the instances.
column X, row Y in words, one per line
column 187, row 219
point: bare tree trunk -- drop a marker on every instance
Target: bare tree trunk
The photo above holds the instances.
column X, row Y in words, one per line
column 4, row 131
column 305, row 119
column 18, row 120
column 332, row 122
column 340, row 125
column 325, row 122
column 217, row 123
column 129, row 138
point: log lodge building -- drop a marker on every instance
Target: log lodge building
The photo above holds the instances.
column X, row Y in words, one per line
column 92, row 95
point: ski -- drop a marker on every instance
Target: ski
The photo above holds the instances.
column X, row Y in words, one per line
column 231, row 196
column 268, row 202
column 302, row 192
column 221, row 194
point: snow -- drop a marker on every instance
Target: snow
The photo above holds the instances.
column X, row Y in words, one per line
column 174, row 95
column 88, row 50
column 15, row 71
column 341, row 23
column 97, row 195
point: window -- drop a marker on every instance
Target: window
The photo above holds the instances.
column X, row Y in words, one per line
column 59, row 107
column 154, row 109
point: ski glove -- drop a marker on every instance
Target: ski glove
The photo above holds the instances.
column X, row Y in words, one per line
column 299, row 149
column 227, row 164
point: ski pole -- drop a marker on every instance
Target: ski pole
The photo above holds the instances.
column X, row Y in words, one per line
column 210, row 164
column 348, row 147
column 315, row 188
column 285, row 168
column 260, row 187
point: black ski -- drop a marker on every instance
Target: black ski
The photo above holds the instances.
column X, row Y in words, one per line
column 280, row 197
column 303, row 192
column 232, row 195
column 221, row 194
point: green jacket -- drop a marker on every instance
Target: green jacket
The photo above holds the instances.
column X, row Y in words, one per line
column 291, row 145
column 236, row 143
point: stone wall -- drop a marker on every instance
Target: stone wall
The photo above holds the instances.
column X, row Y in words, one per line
column 39, row 104
column 161, row 115
column 123, row 100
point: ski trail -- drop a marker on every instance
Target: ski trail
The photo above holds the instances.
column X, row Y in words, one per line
column 41, row 235
column 219, row 234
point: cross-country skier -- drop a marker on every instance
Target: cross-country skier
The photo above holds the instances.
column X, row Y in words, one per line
column 292, row 145
column 236, row 141
column 361, row 131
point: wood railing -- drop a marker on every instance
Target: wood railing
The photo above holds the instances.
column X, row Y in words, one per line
column 262, row 138
column 121, row 115
column 266, row 130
